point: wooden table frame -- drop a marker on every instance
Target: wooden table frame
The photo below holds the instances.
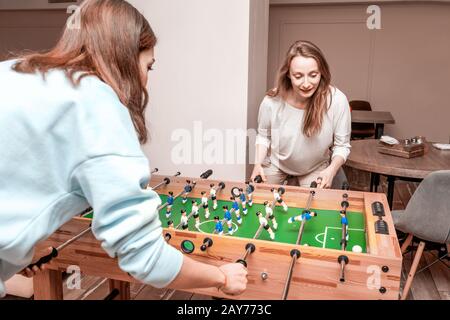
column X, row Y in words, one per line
column 378, row 118
column 316, row 275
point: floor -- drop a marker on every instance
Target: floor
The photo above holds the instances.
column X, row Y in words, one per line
column 430, row 284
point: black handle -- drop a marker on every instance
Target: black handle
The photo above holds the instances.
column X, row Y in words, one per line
column 206, row 174
column 243, row 262
column 44, row 259
column 258, row 179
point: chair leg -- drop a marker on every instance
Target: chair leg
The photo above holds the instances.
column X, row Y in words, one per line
column 407, row 242
column 413, row 270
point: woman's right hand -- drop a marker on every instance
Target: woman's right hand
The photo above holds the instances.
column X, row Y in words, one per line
column 235, row 278
column 29, row 273
column 258, row 171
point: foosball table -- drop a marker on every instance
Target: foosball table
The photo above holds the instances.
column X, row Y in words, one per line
column 297, row 243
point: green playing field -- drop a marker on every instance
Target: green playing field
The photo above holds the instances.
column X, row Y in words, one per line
column 323, row 231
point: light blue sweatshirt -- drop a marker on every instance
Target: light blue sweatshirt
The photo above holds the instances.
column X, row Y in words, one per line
column 62, row 149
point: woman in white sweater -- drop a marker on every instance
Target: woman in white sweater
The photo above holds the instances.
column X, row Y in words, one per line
column 304, row 123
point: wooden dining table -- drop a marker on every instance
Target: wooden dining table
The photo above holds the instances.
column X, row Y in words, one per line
column 378, row 118
column 365, row 156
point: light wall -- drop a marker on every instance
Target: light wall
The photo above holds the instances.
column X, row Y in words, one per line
column 259, row 42
column 201, row 74
column 403, row 68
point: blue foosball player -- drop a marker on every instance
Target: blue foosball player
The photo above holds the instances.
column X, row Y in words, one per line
column 228, row 218
column 169, row 201
column 218, row 228
column 306, row 215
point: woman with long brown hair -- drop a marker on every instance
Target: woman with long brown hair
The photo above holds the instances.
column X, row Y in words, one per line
column 71, row 128
column 304, row 123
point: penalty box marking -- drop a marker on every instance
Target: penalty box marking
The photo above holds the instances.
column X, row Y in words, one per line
column 324, row 242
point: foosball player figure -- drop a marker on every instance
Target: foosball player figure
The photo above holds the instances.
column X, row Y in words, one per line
column 218, row 227
column 228, row 219
column 306, row 215
column 344, row 221
column 263, row 222
column 249, row 188
column 235, row 208
column 269, row 213
column 212, row 193
column 184, row 219
column 278, row 199
column 187, row 189
column 205, row 204
column 169, row 205
column 243, row 201
column 195, row 214
column 170, row 224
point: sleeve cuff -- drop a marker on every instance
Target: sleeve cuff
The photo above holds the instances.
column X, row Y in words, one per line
column 262, row 141
column 342, row 152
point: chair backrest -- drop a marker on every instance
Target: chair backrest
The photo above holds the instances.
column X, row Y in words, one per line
column 360, row 105
column 427, row 214
column 362, row 130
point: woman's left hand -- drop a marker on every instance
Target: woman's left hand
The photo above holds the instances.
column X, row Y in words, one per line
column 325, row 179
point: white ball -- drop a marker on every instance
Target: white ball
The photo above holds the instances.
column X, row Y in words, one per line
column 306, row 244
column 357, row 249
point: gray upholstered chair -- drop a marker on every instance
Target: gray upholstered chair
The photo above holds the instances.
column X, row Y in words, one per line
column 427, row 217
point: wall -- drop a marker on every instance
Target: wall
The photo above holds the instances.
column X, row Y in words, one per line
column 403, row 68
column 29, row 29
column 201, row 74
column 259, row 42
column 32, row 5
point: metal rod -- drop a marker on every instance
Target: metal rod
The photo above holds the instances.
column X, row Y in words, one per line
column 78, row 236
column 154, row 188
column 296, row 254
column 342, row 272
column 300, row 233
column 164, row 182
column 92, row 289
column 289, row 276
column 175, row 197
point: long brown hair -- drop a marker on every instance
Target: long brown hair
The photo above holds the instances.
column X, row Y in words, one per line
column 107, row 42
column 316, row 107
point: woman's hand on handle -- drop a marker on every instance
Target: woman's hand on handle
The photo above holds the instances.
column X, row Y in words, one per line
column 29, row 273
column 258, row 171
column 235, row 278
column 325, row 179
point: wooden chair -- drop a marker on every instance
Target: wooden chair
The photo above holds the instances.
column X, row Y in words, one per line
column 426, row 218
column 362, row 130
